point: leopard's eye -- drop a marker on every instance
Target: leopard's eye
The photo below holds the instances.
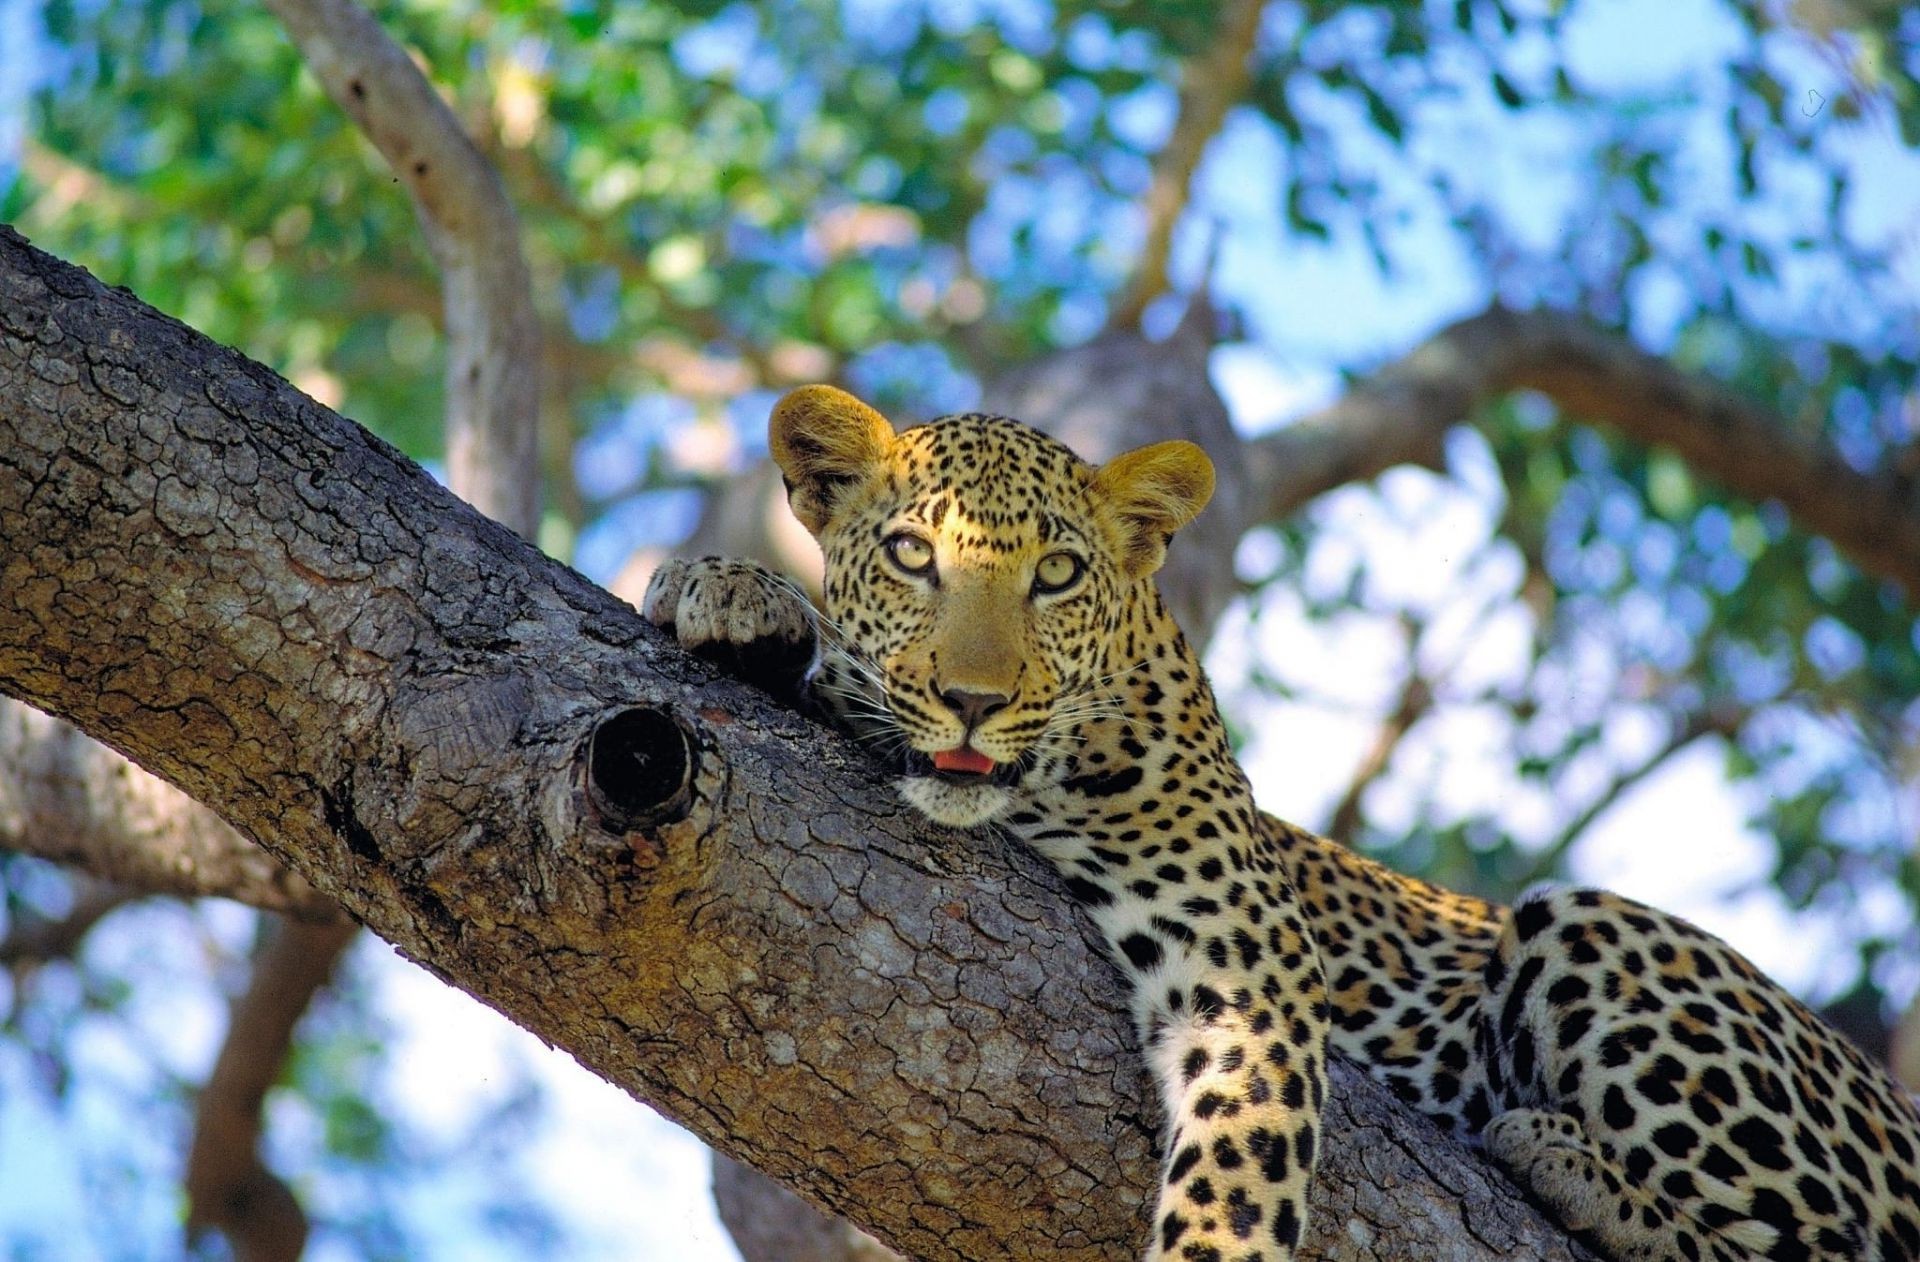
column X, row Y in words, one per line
column 1057, row 571
column 910, row 552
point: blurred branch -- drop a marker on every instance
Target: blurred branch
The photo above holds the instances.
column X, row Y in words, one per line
column 371, row 292
column 1415, row 700
column 1211, row 83
column 67, row 799
column 1401, row 415
column 229, row 1189
column 768, row 1223
column 35, row 940
column 493, row 336
column 363, row 291
column 1714, row 720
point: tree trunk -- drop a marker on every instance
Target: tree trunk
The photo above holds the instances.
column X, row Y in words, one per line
column 497, row 767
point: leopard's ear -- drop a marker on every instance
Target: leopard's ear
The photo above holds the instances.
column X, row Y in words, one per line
column 1152, row 492
column 824, row 439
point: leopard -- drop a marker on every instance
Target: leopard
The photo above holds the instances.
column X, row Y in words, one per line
column 990, row 628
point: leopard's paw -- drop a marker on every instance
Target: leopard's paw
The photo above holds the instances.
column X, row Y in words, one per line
column 1551, row 1155
column 739, row 615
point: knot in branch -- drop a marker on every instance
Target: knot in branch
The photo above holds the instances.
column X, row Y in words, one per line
column 640, row 766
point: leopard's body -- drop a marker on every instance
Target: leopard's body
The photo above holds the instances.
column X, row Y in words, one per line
column 991, row 622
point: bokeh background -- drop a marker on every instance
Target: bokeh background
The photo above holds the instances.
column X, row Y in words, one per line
column 1554, row 654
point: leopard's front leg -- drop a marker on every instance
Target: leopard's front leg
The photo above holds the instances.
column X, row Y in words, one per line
column 1233, row 1013
column 759, row 626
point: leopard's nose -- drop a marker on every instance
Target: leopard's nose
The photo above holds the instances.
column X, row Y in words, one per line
column 974, row 707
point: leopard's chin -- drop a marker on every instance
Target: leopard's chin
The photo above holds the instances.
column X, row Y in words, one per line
column 957, row 805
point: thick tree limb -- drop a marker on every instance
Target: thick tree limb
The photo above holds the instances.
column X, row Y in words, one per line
column 68, row 801
column 1402, row 413
column 268, row 606
column 492, row 431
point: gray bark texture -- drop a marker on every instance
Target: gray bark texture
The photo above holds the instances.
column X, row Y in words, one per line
column 276, row 612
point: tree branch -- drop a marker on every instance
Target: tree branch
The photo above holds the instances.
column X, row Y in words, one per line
column 1402, row 413
column 1415, row 700
column 1544, row 862
column 1211, row 83
column 229, row 1189
column 492, row 428
column 493, row 335
column 770, row 1224
column 88, row 808
column 495, row 765
column 32, row 941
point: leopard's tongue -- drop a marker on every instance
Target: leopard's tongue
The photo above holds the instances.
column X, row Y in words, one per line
column 963, row 759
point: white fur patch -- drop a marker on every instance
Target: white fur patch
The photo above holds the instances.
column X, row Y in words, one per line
column 959, row 805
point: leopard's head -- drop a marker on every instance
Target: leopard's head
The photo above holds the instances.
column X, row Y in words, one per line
column 984, row 579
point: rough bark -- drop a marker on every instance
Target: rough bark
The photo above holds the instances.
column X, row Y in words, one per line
column 279, row 614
